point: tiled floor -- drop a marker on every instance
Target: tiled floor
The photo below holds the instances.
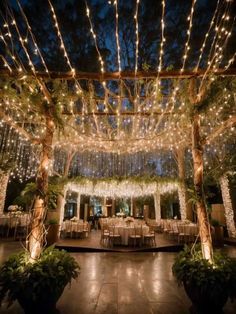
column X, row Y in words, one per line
column 124, row 283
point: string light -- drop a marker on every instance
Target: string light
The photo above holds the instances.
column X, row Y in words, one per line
column 207, row 36
column 6, row 64
column 125, row 188
column 33, row 38
column 117, row 35
column 90, row 133
column 187, row 47
column 137, row 37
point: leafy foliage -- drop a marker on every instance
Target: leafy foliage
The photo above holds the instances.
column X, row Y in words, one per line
column 49, row 274
column 27, row 195
column 191, row 268
column 132, row 179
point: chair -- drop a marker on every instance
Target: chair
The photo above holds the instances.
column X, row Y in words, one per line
column 67, row 229
column 21, row 228
column 136, row 237
column 183, row 236
column 149, row 238
column 166, row 228
column 174, row 232
column 12, row 225
column 114, row 236
column 79, row 230
column 104, row 236
column 86, row 229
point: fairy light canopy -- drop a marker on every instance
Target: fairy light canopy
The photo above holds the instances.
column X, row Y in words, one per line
column 115, row 73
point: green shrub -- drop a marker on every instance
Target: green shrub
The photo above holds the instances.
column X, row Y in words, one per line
column 49, row 274
column 191, row 268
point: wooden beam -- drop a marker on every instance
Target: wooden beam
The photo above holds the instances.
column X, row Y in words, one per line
column 119, row 75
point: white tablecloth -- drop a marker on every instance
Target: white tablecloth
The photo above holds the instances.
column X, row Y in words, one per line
column 71, row 226
column 126, row 231
column 191, row 229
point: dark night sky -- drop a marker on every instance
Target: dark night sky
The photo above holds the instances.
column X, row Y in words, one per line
column 74, row 26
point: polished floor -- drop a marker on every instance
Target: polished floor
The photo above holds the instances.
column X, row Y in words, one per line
column 93, row 242
column 124, row 283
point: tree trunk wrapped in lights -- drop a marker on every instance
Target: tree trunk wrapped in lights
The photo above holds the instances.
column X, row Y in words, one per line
column 61, row 199
column 197, row 153
column 203, row 221
column 37, row 234
column 182, row 193
column 4, row 177
column 229, row 212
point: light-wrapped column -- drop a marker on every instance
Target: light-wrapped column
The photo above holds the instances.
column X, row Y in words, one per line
column 229, row 212
column 4, row 177
column 78, row 206
column 182, row 201
column 61, row 205
column 182, row 187
column 157, row 203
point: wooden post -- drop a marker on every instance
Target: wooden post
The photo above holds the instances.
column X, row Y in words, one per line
column 113, row 207
column 61, row 199
column 86, row 212
column 37, row 234
column 146, row 212
column 78, row 206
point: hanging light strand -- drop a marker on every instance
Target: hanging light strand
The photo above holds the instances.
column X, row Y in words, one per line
column 207, row 36
column 137, row 36
column 117, row 35
column 187, row 47
column 33, row 38
column 159, row 69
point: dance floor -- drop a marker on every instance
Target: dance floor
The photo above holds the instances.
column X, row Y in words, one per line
column 92, row 243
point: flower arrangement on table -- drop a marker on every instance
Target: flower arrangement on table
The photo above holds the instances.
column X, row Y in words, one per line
column 129, row 220
column 120, row 214
column 74, row 219
column 15, row 210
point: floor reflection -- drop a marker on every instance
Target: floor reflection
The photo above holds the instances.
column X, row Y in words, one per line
column 121, row 283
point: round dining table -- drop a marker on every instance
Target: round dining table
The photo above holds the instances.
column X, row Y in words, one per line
column 126, row 231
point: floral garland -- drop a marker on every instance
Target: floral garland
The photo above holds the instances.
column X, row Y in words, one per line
column 128, row 187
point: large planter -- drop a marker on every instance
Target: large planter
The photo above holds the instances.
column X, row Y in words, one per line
column 207, row 284
column 204, row 301
column 52, row 233
column 44, row 302
column 37, row 285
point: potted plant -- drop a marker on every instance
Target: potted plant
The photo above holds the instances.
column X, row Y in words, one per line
column 37, row 286
column 52, row 226
column 208, row 285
